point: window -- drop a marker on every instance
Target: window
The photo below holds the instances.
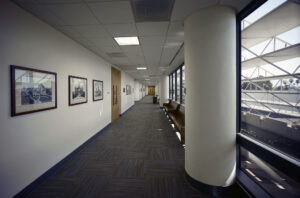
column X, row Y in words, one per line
column 178, row 85
column 183, row 85
column 170, row 86
column 270, row 98
column 173, row 87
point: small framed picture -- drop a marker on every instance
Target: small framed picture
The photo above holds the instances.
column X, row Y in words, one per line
column 128, row 90
column 77, row 90
column 32, row 90
column 97, row 90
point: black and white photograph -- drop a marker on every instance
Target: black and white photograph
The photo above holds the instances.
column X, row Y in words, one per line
column 97, row 90
column 32, row 90
column 128, row 90
column 77, row 90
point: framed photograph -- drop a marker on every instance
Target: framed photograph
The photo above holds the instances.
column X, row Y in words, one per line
column 32, row 90
column 97, row 90
column 128, row 89
column 77, row 90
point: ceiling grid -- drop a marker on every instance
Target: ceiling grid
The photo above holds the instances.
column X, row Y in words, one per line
column 95, row 23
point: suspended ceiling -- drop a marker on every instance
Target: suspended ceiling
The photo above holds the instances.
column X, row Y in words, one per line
column 94, row 23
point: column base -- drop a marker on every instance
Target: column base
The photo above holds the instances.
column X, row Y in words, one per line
column 217, row 191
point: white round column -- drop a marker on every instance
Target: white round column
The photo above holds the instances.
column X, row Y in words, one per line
column 210, row 59
column 164, row 90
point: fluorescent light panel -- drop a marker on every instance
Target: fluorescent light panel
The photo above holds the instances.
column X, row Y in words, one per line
column 141, row 68
column 133, row 40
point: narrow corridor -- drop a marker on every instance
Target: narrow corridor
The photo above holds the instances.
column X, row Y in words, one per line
column 139, row 155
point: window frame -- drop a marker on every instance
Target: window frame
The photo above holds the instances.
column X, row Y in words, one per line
column 268, row 154
column 174, row 72
column 175, row 85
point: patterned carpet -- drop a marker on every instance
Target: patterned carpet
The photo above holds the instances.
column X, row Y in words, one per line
column 138, row 156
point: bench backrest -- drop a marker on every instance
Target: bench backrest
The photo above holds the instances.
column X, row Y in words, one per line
column 174, row 105
column 180, row 114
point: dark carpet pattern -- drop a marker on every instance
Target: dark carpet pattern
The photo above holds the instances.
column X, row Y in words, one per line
column 138, row 156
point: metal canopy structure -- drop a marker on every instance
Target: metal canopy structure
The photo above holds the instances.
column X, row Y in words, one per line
column 272, row 89
column 281, row 19
column 276, row 56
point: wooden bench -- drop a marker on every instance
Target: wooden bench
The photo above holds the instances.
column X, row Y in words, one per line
column 171, row 106
column 177, row 116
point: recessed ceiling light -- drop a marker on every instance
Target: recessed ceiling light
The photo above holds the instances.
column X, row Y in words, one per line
column 147, row 79
column 133, row 40
column 141, row 68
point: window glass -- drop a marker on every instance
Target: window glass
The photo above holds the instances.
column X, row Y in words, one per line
column 272, row 180
column 183, row 85
column 170, row 86
column 173, row 88
column 270, row 91
column 178, row 86
column 270, row 77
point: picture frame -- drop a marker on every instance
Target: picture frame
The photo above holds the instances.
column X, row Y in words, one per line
column 78, row 90
column 32, row 90
column 97, row 90
column 128, row 89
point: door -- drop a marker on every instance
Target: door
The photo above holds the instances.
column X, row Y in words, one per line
column 151, row 90
column 116, row 94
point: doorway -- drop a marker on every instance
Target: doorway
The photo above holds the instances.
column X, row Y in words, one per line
column 116, row 94
column 151, row 90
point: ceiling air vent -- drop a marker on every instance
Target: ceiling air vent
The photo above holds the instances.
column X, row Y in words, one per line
column 116, row 54
column 154, row 10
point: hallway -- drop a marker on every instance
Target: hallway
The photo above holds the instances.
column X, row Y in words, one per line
column 138, row 156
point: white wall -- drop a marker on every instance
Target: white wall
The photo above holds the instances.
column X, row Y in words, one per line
column 126, row 100
column 33, row 143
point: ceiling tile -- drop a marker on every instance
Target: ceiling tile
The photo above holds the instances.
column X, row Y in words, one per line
column 152, row 28
column 69, row 13
column 43, row 13
column 91, row 31
column 121, row 61
column 99, row 52
column 174, row 41
column 236, row 4
column 103, row 41
column 168, row 54
column 58, row 1
column 176, row 28
column 152, row 40
column 113, row 12
column 132, row 50
column 183, row 8
column 69, row 31
column 84, row 42
column 152, row 55
column 24, row 1
column 137, row 61
column 109, row 49
column 125, row 29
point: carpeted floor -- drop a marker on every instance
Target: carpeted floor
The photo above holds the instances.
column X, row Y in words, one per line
column 138, row 156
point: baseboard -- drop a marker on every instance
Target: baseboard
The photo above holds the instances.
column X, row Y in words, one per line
column 28, row 189
column 217, row 191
